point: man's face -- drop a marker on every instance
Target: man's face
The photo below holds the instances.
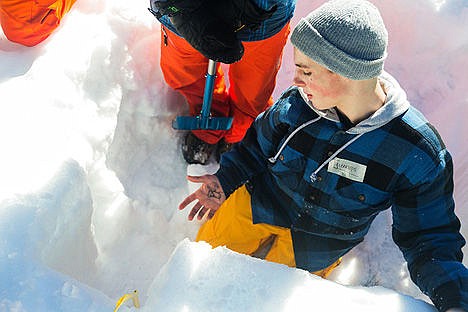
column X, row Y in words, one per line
column 324, row 88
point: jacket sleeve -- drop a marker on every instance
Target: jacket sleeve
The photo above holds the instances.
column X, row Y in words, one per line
column 426, row 230
column 250, row 156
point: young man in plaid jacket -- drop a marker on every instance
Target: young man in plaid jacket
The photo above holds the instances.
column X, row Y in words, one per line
column 336, row 149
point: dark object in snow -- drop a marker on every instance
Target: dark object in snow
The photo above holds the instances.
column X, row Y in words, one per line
column 196, row 151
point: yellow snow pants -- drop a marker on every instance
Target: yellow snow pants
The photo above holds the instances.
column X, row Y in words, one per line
column 232, row 227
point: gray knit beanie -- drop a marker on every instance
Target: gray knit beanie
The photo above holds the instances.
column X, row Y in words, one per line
column 346, row 36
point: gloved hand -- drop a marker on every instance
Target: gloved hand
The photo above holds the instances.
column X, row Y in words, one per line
column 243, row 13
column 206, row 31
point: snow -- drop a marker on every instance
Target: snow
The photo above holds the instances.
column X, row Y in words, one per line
column 91, row 173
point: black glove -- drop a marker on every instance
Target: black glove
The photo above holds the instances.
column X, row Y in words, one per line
column 196, row 21
column 242, row 13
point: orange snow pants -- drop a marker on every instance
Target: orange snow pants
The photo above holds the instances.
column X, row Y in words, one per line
column 29, row 22
column 251, row 81
column 232, row 227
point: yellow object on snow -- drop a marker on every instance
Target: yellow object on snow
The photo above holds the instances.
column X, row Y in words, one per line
column 133, row 295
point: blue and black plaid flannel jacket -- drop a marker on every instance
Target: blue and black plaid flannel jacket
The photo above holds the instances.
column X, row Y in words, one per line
column 407, row 168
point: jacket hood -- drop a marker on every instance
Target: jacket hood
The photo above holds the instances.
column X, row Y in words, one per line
column 395, row 104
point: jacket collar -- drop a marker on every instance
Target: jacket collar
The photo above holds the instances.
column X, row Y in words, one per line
column 395, row 104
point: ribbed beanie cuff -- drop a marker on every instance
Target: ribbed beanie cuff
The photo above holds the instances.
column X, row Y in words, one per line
column 346, row 36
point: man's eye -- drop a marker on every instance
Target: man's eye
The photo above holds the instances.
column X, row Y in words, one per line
column 307, row 73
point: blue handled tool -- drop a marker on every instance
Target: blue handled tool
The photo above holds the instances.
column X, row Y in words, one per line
column 204, row 120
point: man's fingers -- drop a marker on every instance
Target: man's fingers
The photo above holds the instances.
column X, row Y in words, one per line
column 202, row 212
column 203, row 195
column 187, row 201
column 194, row 211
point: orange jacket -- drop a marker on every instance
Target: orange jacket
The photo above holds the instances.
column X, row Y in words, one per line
column 29, row 22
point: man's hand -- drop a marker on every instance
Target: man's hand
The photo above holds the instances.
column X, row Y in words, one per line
column 209, row 197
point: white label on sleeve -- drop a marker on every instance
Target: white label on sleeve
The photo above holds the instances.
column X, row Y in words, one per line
column 348, row 169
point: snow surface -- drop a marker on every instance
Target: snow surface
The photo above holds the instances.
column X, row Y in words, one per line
column 91, row 172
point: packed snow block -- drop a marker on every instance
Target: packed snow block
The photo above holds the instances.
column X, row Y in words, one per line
column 31, row 286
column 63, row 222
column 199, row 278
column 44, row 238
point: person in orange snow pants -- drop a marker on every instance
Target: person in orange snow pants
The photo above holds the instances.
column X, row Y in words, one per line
column 248, row 36
column 253, row 78
column 31, row 22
